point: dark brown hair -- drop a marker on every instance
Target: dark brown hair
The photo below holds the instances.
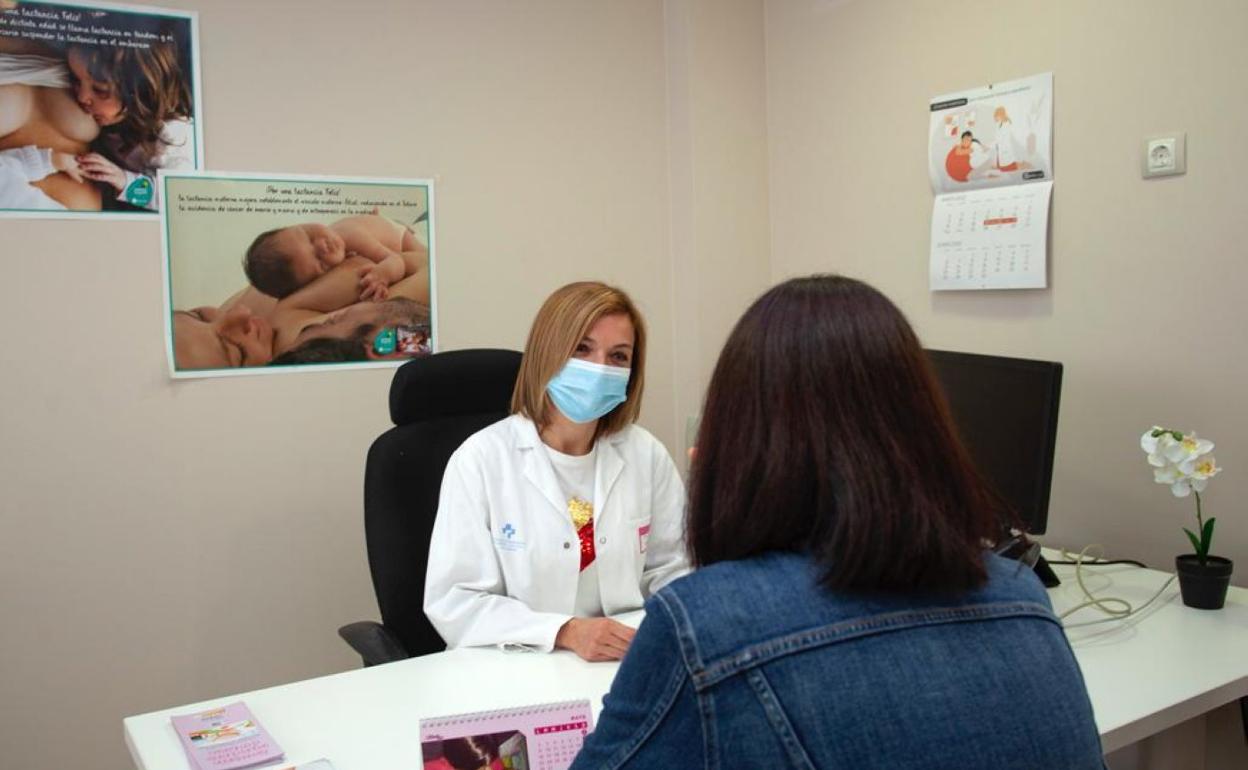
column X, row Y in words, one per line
column 152, row 89
column 267, row 268
column 824, row 432
column 472, row 752
column 562, row 322
column 330, row 350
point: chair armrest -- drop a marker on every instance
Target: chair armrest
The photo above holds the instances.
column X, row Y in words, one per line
column 374, row 642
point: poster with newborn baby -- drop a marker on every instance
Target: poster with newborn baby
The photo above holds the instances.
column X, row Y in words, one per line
column 279, row 273
column 94, row 101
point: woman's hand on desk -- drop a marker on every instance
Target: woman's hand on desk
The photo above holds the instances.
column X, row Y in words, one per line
column 595, row 639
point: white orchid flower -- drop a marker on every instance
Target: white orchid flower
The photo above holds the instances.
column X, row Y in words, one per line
column 1167, row 474
column 1183, row 461
column 1200, row 467
column 1180, row 484
column 1174, row 451
column 1195, row 447
column 1207, row 468
column 1191, row 446
column 1155, row 445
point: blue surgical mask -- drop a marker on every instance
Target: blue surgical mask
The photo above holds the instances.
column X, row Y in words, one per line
column 585, row 391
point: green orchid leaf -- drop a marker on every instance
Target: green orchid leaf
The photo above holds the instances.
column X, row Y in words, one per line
column 1195, row 542
column 1206, row 535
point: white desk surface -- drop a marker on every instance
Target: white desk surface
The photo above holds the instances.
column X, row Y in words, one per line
column 1159, row 668
column 1144, row 675
column 369, row 719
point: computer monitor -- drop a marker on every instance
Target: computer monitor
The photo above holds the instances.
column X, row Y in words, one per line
column 1005, row 410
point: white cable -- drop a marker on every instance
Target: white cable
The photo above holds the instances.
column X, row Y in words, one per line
column 1115, row 607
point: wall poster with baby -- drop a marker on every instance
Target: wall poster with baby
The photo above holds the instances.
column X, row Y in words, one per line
column 95, row 99
column 279, row 273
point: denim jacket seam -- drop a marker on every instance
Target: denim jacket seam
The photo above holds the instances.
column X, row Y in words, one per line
column 692, row 657
column 710, row 736
column 685, row 637
column 657, row 714
column 771, row 649
column 778, row 718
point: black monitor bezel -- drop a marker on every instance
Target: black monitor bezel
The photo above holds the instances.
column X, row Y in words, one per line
column 1035, row 522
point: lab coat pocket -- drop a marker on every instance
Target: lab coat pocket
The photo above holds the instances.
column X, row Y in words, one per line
column 639, row 530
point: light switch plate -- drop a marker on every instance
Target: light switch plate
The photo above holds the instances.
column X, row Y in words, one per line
column 1165, row 154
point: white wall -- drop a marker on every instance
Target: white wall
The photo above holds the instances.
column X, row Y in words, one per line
column 1145, row 304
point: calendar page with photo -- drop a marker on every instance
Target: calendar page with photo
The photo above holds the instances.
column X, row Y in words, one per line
column 541, row 737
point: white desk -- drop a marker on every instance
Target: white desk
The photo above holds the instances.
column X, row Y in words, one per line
column 1144, row 675
column 368, row 719
column 1155, row 670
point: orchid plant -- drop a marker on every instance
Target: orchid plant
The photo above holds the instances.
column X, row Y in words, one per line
column 1183, row 461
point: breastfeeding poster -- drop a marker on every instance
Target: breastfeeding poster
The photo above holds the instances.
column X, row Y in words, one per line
column 995, row 135
column 269, row 273
column 94, row 100
column 990, row 161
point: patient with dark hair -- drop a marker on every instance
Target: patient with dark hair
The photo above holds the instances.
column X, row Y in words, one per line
column 848, row 610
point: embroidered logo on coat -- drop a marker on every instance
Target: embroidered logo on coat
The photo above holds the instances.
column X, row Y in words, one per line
column 508, row 539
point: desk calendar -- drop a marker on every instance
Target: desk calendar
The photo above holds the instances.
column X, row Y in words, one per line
column 994, row 238
column 541, row 737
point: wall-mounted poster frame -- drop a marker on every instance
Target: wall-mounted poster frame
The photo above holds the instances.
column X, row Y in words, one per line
column 276, row 273
column 95, row 98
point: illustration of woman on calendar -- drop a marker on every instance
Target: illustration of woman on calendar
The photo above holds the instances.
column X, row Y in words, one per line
column 965, row 158
column 1004, row 144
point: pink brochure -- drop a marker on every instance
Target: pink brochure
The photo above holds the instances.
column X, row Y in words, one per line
column 225, row 738
column 541, row 737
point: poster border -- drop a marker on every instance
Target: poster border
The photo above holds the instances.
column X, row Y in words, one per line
column 259, row 176
column 197, row 122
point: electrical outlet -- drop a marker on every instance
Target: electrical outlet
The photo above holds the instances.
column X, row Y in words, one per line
column 1165, row 154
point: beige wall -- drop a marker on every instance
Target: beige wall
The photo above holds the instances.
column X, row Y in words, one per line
column 1145, row 306
column 165, row 542
column 717, row 129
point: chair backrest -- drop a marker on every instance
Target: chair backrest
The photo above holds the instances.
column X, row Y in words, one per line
column 435, row 403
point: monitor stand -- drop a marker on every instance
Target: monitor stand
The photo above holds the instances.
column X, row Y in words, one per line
column 1022, row 550
column 1046, row 574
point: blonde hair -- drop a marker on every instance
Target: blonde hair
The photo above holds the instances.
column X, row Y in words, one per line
column 562, row 322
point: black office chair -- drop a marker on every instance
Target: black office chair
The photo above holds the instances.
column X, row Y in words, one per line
column 435, row 403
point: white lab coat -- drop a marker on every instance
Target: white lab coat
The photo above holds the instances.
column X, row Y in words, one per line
column 1004, row 143
column 504, row 558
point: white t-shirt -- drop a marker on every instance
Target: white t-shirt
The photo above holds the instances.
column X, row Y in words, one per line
column 576, row 478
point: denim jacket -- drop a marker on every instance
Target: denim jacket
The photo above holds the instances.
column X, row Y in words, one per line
column 750, row 664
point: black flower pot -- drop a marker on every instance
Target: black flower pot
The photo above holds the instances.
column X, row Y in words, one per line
column 1203, row 586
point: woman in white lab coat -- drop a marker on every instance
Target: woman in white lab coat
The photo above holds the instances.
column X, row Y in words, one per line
column 1003, row 142
column 565, row 513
